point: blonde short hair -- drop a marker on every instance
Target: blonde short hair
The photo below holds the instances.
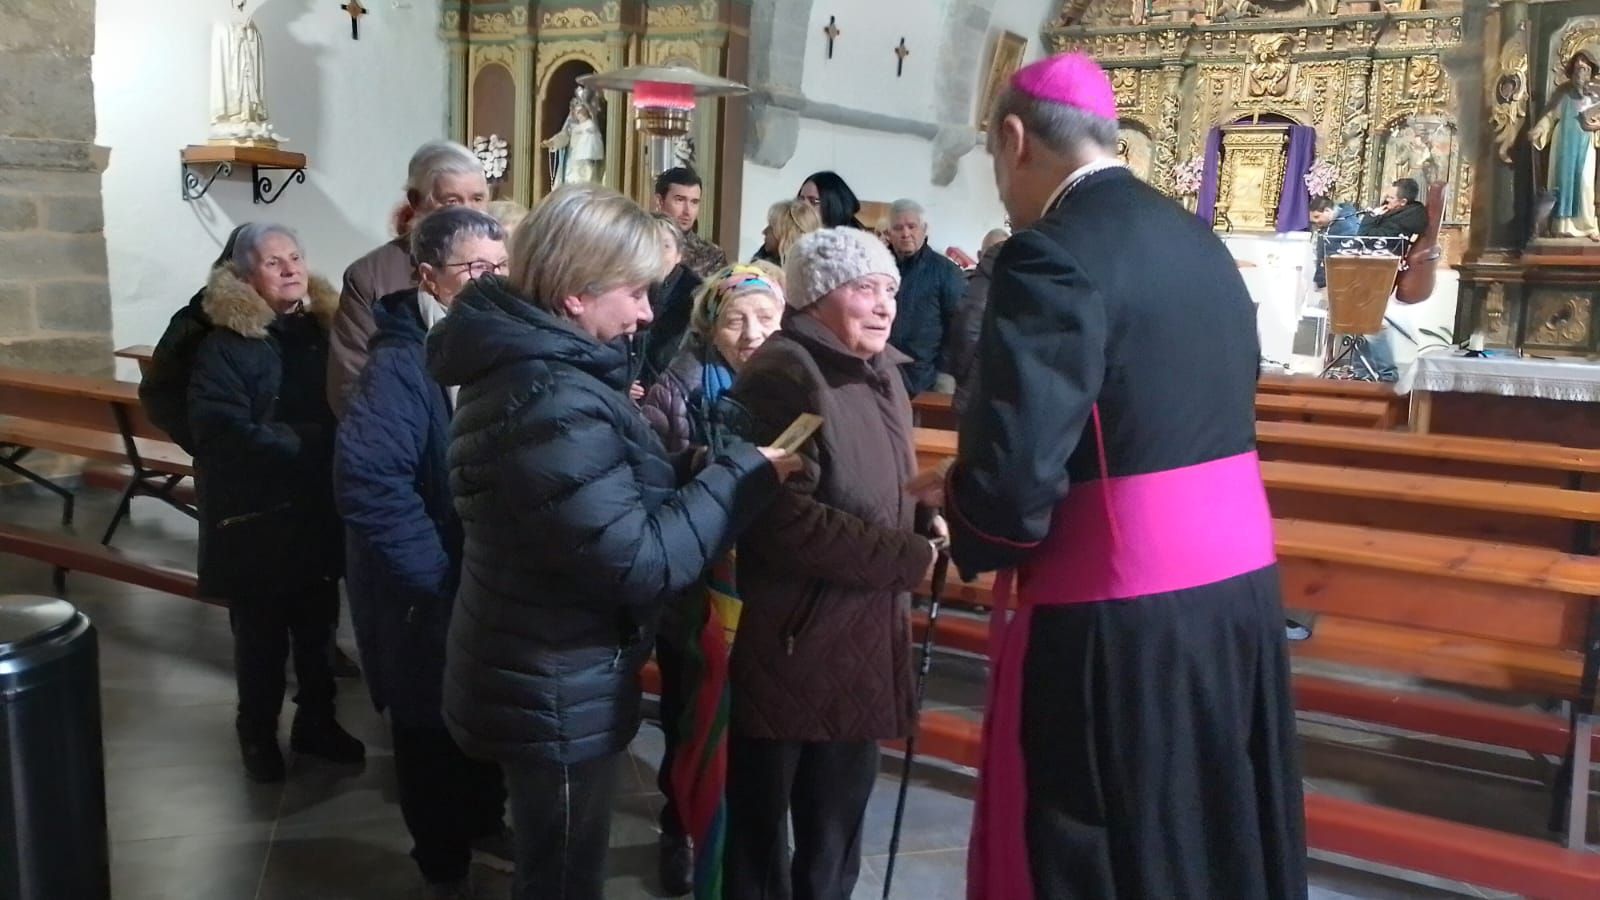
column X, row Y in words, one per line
column 731, row 283
column 583, row 239
column 790, row 220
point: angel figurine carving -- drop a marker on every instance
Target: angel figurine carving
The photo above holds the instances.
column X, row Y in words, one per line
column 238, row 106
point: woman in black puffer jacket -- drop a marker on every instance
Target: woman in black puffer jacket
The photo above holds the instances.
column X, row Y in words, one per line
column 579, row 525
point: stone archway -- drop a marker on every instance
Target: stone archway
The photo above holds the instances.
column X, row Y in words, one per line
column 55, row 305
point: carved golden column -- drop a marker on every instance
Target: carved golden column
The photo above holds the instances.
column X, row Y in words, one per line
column 1356, row 123
column 1166, row 149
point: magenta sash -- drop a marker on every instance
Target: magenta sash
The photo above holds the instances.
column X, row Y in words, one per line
column 1111, row 539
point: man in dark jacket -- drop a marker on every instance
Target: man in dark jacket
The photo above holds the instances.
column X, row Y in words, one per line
column 1140, row 695
column 164, row 388
column 270, row 539
column 1330, row 220
column 930, row 290
column 1398, row 214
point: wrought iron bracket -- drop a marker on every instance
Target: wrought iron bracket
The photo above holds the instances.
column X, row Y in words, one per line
column 262, row 190
column 266, row 186
column 194, row 187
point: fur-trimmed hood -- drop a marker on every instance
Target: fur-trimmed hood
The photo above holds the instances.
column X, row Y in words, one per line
column 233, row 304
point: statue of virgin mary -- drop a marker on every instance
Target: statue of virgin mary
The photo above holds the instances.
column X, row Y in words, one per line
column 238, row 107
column 578, row 149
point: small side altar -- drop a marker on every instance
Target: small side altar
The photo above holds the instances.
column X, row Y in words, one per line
column 1505, row 396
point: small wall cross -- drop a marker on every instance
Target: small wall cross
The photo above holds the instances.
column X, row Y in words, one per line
column 900, row 63
column 833, row 32
column 356, row 11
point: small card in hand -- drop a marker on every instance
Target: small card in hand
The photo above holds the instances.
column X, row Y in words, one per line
column 799, row 431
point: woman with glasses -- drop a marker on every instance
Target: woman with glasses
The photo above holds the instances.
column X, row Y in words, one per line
column 403, row 550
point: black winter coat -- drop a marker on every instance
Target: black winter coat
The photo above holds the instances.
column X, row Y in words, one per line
column 164, row 387
column 930, row 290
column 263, row 439
column 402, row 535
column 579, row 527
column 671, row 304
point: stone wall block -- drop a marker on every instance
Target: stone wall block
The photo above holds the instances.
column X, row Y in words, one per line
column 72, row 215
column 78, row 306
column 34, row 255
column 16, row 310
column 47, row 96
column 17, row 213
column 65, row 26
column 79, row 354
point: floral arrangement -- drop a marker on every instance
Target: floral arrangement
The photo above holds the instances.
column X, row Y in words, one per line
column 491, row 151
column 1186, row 176
column 1320, row 178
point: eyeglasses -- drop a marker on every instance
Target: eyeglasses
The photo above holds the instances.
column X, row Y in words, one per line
column 477, row 268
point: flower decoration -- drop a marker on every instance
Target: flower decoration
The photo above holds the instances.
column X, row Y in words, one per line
column 1320, row 178
column 492, row 152
column 1186, row 176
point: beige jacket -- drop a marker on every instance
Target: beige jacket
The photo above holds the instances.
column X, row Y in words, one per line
column 369, row 279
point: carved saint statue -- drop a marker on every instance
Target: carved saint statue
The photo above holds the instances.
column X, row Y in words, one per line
column 238, row 107
column 1570, row 129
column 578, row 150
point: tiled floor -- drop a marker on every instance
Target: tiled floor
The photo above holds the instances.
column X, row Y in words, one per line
column 186, row 825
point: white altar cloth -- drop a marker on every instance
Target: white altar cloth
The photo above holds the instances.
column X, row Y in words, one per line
column 1573, row 380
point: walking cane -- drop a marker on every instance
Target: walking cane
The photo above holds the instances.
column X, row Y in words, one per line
column 941, row 568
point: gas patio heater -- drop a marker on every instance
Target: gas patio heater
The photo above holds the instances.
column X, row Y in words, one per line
column 663, row 100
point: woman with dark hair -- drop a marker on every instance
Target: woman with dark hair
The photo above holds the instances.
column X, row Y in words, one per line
column 403, row 550
column 833, row 200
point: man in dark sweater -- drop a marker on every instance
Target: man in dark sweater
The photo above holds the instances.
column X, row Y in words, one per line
column 1398, row 214
column 930, row 290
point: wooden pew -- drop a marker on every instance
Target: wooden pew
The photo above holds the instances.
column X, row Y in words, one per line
column 70, row 554
column 93, row 418
column 934, row 410
column 140, row 353
column 1277, row 383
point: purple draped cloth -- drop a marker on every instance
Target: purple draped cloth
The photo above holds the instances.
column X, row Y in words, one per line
column 1206, row 205
column 1294, row 202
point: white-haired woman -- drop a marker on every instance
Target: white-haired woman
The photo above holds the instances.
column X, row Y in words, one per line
column 821, row 670
column 269, row 534
column 579, row 525
column 404, row 549
column 441, row 173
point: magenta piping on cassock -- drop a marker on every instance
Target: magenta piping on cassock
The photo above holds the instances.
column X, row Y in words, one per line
column 1112, row 539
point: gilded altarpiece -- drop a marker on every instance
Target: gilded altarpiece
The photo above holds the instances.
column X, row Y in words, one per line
column 545, row 47
column 1374, row 85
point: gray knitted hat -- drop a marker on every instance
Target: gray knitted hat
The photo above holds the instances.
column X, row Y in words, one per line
column 823, row 260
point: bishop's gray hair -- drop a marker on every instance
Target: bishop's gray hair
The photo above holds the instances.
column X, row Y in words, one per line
column 434, row 238
column 436, row 158
column 247, row 245
column 1062, row 128
column 902, row 206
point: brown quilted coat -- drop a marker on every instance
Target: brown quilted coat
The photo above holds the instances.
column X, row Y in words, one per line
column 824, row 645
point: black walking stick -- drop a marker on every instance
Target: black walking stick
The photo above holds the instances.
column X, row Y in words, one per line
column 941, row 568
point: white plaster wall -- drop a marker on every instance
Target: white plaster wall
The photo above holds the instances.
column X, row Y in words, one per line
column 357, row 109
column 880, row 166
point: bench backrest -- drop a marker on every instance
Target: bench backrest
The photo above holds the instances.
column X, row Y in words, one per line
column 1468, row 457
column 79, row 400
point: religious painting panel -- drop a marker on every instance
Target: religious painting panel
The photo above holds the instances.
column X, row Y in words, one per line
column 1423, row 147
column 1004, row 61
column 1136, row 149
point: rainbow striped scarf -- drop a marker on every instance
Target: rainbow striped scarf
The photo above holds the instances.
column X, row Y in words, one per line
column 700, row 770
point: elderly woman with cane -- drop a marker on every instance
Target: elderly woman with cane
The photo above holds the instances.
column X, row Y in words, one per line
column 821, row 669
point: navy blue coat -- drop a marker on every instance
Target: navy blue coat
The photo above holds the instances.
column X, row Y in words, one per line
column 402, row 535
column 931, row 287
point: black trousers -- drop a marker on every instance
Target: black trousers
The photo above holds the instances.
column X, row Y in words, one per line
column 562, row 818
column 264, row 629
column 669, row 660
column 824, row 787
column 448, row 800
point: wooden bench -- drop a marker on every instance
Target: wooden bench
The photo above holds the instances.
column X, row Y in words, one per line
column 94, row 418
column 70, row 554
column 934, row 410
column 1470, row 457
column 1275, row 383
column 139, row 353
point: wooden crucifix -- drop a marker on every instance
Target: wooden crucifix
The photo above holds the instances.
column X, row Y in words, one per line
column 900, row 63
column 356, row 11
column 833, row 32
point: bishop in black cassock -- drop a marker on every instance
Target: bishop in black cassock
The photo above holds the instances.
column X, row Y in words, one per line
column 1139, row 737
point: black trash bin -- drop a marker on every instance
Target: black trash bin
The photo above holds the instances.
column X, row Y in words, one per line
column 52, row 785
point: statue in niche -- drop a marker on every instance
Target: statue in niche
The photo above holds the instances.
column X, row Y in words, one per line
column 578, row 150
column 238, row 107
column 1570, row 130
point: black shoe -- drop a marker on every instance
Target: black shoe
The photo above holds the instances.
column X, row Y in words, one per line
column 343, row 665
column 322, row 736
column 675, row 865
column 263, row 759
